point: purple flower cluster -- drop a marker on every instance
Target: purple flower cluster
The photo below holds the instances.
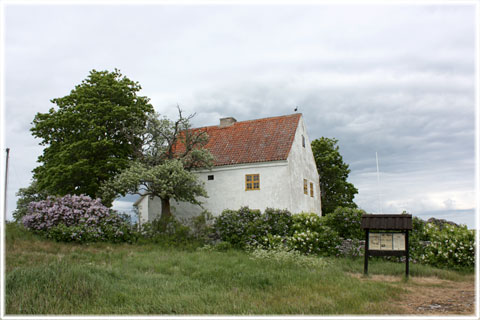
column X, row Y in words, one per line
column 79, row 219
column 69, row 210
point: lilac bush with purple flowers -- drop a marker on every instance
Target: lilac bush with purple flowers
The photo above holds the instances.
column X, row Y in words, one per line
column 77, row 218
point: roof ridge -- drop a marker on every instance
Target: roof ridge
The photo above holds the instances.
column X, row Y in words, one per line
column 284, row 116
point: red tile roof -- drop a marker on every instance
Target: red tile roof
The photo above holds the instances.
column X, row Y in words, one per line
column 259, row 140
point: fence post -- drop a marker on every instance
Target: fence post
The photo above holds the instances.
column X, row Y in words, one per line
column 365, row 266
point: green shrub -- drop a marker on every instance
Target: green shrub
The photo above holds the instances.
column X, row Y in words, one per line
column 79, row 233
column 239, row 227
column 277, row 222
column 172, row 233
column 222, row 246
column 201, row 226
column 346, row 222
column 304, row 232
column 250, row 228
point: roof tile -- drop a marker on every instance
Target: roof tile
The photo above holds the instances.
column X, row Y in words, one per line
column 259, row 140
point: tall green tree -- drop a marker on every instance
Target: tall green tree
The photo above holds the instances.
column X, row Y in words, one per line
column 25, row 196
column 334, row 189
column 164, row 170
column 93, row 134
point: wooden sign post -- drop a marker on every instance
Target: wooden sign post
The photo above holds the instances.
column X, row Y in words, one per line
column 389, row 238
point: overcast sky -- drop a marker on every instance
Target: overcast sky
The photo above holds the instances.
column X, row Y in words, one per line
column 394, row 79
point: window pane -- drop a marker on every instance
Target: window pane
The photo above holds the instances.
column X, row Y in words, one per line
column 252, row 182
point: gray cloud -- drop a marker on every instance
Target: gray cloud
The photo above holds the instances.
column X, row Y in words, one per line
column 396, row 79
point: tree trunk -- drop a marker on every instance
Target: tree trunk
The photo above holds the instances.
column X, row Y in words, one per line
column 166, row 213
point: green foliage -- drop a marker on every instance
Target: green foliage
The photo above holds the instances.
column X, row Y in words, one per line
column 25, row 196
column 346, row 222
column 192, row 233
column 276, row 221
column 92, row 136
column 201, row 226
column 245, row 227
column 450, row 246
column 168, row 180
column 334, row 188
column 169, row 234
column 79, row 233
column 238, row 227
column 276, row 229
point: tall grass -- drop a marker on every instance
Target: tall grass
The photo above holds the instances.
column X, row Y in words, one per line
column 45, row 277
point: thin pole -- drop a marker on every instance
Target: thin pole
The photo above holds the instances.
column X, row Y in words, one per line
column 378, row 183
column 6, row 184
column 407, row 266
column 367, row 248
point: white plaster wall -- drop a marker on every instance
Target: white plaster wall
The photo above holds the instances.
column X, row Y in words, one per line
column 149, row 209
column 154, row 208
column 227, row 190
column 142, row 207
column 301, row 165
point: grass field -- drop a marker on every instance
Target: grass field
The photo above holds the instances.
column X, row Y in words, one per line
column 45, row 277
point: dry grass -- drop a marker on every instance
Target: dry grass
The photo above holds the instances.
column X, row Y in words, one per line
column 430, row 295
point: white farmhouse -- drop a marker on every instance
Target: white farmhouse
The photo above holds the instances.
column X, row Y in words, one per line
column 263, row 163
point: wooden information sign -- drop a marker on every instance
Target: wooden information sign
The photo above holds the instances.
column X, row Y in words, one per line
column 390, row 236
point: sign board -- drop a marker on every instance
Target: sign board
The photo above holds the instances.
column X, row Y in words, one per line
column 374, row 241
column 389, row 236
column 386, row 241
column 399, row 241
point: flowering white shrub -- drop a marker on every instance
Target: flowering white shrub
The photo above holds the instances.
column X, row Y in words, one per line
column 312, row 236
column 449, row 246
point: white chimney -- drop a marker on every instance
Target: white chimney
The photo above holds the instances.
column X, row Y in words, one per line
column 227, row 122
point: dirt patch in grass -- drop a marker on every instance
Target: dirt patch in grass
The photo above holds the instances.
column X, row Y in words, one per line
column 430, row 295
